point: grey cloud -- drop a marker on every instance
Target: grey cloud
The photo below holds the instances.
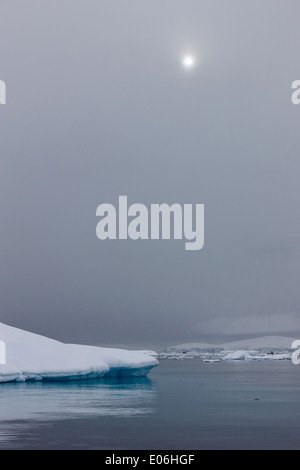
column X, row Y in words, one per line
column 275, row 323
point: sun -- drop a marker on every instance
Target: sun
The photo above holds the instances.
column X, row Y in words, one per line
column 188, row 62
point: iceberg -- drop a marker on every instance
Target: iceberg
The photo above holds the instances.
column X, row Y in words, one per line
column 237, row 356
column 266, row 348
column 31, row 357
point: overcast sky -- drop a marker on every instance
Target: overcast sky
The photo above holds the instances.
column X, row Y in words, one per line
column 98, row 105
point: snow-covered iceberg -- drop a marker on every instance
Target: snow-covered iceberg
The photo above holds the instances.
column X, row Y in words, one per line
column 264, row 342
column 33, row 357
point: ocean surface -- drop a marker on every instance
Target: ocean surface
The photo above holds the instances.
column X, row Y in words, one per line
column 185, row 404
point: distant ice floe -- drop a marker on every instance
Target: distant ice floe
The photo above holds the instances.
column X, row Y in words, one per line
column 267, row 348
column 243, row 355
column 31, row 357
column 256, row 356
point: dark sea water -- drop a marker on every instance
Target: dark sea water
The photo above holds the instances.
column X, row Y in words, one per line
column 181, row 405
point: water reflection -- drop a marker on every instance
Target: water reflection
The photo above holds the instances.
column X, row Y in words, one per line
column 26, row 402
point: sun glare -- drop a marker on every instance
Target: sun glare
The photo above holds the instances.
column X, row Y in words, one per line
column 188, row 62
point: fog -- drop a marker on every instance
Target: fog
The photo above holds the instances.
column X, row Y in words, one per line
column 98, row 105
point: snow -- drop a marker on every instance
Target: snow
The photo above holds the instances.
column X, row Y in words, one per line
column 246, row 355
column 237, row 356
column 33, row 357
column 254, row 349
column 191, row 347
column 272, row 342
